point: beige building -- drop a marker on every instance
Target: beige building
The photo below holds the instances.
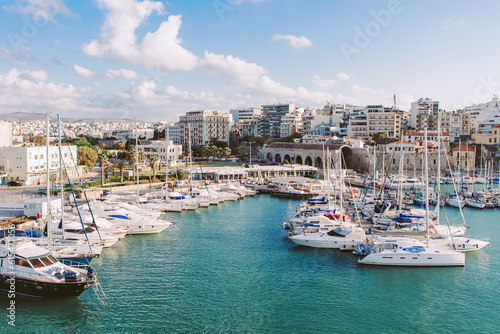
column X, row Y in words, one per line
column 450, row 123
column 386, row 120
column 489, row 138
column 203, row 126
column 463, row 157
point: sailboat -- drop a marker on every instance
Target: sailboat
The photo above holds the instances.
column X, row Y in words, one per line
column 405, row 251
column 344, row 236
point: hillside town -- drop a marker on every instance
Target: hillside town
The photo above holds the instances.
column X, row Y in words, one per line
column 270, row 134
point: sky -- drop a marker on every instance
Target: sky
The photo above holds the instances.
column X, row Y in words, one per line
column 156, row 60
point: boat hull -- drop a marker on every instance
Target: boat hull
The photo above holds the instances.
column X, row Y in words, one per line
column 40, row 289
column 414, row 260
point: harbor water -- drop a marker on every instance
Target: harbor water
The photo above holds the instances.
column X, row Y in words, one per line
column 231, row 269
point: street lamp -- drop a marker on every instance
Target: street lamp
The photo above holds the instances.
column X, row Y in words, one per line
column 250, row 152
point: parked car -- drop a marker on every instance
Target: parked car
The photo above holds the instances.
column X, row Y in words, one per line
column 14, row 183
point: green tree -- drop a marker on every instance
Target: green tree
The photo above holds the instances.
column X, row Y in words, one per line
column 86, row 156
column 153, row 163
column 118, row 146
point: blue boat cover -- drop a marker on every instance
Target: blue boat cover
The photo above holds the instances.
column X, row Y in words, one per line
column 119, row 216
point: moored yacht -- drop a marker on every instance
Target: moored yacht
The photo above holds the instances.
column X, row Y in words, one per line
column 403, row 251
column 36, row 272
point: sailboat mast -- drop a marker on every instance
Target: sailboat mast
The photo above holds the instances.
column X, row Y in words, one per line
column 400, row 186
column 47, row 162
column 341, row 188
column 426, row 183
column 168, row 151
column 438, row 176
column 61, row 172
column 136, row 156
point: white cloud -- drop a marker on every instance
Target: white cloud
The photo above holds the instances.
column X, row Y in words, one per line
column 27, row 91
column 449, row 23
column 83, row 72
column 323, row 83
column 40, row 10
column 118, row 39
column 239, row 2
column 38, row 75
column 343, row 76
column 377, row 92
column 121, row 73
column 239, row 72
column 294, row 41
column 22, row 55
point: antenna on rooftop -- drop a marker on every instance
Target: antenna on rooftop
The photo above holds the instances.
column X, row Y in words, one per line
column 394, row 101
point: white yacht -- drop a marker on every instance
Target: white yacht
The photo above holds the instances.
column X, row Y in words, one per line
column 341, row 237
column 403, row 251
column 38, row 273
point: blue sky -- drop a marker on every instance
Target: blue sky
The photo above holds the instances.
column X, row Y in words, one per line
column 157, row 59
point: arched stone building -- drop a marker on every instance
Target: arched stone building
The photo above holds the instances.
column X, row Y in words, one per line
column 305, row 154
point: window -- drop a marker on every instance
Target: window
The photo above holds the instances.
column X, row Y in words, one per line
column 22, row 262
column 46, row 261
column 36, row 263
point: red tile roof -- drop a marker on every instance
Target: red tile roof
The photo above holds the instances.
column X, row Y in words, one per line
column 399, row 142
column 462, row 148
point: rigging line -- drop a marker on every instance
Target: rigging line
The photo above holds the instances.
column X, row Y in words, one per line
column 86, row 199
column 455, row 188
column 83, row 191
column 371, row 180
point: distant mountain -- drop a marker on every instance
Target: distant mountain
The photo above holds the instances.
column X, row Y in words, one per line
column 25, row 116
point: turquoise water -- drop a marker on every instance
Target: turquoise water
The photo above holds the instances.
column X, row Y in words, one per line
column 230, row 269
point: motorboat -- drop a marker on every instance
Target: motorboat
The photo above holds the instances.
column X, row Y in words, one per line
column 341, row 238
column 38, row 273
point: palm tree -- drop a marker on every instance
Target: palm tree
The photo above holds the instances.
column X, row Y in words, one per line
column 106, row 172
column 103, row 159
column 121, row 167
column 114, row 168
column 142, row 156
column 153, row 163
column 133, row 160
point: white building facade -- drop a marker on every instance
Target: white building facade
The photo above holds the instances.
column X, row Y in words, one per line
column 203, row 126
column 163, row 149
column 29, row 164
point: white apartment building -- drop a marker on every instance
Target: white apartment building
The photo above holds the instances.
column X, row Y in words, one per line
column 173, row 133
column 290, row 125
column 163, row 149
column 480, row 118
column 203, row 126
column 142, row 134
column 424, row 113
column 5, row 134
column 245, row 114
column 29, row 163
